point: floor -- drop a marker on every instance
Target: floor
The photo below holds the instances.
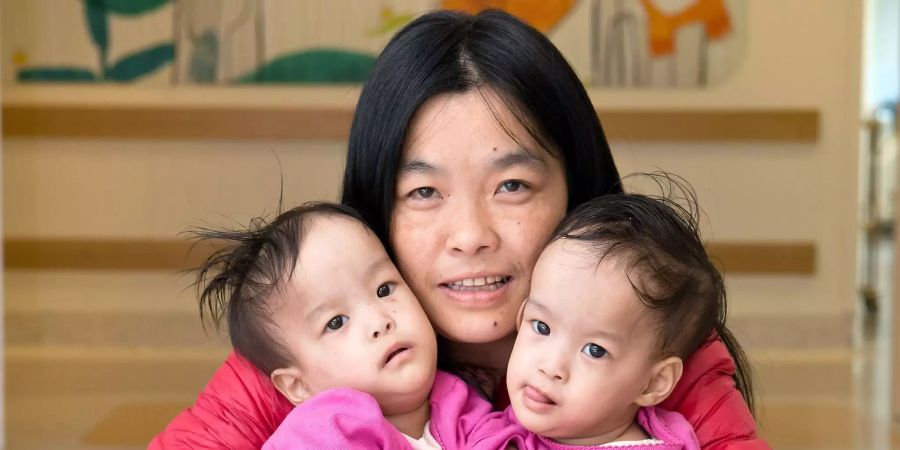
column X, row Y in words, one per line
column 117, row 385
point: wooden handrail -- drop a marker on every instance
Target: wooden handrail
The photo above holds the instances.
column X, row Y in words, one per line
column 143, row 121
column 785, row 258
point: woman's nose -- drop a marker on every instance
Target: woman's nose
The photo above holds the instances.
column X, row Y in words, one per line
column 471, row 229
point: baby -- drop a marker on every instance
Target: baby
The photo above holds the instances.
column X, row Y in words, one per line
column 314, row 302
column 622, row 295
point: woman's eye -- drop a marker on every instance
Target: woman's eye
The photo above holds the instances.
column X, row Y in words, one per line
column 384, row 290
column 540, row 327
column 511, row 186
column 423, row 192
column 336, row 323
column 594, row 351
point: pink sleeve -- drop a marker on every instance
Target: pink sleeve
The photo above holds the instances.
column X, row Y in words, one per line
column 238, row 409
column 707, row 397
column 337, row 419
column 462, row 419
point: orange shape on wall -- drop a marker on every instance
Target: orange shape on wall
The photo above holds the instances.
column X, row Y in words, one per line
column 541, row 14
column 661, row 27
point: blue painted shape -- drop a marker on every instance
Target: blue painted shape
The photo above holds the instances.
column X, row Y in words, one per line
column 204, row 62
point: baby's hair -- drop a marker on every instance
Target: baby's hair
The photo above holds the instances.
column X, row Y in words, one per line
column 237, row 281
column 658, row 241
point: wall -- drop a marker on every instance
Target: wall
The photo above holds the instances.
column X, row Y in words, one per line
column 799, row 54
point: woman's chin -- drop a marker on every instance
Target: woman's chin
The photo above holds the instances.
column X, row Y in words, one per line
column 476, row 329
column 474, row 317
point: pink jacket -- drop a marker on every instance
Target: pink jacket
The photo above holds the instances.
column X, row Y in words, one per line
column 239, row 408
column 460, row 419
column 348, row 419
column 670, row 429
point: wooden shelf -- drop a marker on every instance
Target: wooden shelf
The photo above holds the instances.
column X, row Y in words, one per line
column 326, row 113
column 783, row 258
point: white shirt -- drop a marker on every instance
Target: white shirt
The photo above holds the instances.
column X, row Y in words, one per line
column 426, row 442
column 644, row 442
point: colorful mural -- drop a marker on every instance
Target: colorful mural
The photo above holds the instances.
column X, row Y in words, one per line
column 611, row 43
column 127, row 68
column 672, row 43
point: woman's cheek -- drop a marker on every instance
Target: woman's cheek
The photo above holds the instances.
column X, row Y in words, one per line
column 409, row 238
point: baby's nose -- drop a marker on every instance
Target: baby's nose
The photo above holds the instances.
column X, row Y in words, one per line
column 383, row 328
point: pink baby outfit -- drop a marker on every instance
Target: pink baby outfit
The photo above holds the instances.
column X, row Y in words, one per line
column 669, row 431
column 341, row 419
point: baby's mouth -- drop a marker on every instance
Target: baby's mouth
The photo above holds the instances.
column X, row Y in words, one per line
column 394, row 354
column 489, row 283
column 538, row 396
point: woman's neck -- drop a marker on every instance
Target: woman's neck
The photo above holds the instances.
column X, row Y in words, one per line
column 488, row 355
column 412, row 423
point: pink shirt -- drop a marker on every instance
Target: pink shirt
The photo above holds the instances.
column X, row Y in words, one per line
column 239, row 408
column 460, row 419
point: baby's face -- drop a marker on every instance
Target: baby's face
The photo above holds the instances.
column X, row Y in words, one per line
column 349, row 319
column 584, row 350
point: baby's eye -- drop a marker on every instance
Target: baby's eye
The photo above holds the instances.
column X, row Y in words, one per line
column 540, row 327
column 511, row 186
column 336, row 323
column 594, row 351
column 384, row 290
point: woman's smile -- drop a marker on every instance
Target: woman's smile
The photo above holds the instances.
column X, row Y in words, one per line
column 488, row 283
column 478, row 292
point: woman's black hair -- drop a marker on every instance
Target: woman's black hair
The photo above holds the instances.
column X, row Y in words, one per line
column 237, row 281
column 452, row 52
column 658, row 240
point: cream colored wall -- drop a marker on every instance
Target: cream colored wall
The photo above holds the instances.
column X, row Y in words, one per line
column 801, row 53
column 128, row 189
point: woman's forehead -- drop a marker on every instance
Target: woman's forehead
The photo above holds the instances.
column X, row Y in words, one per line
column 476, row 120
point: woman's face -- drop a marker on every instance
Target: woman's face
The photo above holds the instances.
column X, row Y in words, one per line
column 473, row 211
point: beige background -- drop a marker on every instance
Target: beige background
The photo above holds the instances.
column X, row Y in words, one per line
column 799, row 54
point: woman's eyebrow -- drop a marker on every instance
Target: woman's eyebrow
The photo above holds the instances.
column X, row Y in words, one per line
column 519, row 157
column 416, row 166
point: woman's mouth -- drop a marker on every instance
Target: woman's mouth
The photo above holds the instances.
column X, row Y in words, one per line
column 478, row 284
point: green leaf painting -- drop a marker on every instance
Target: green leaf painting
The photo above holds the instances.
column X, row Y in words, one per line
column 74, row 74
column 98, row 25
column 314, row 66
column 140, row 63
column 133, row 7
column 129, row 68
column 309, row 65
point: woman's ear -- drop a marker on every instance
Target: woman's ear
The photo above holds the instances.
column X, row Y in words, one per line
column 664, row 375
column 289, row 381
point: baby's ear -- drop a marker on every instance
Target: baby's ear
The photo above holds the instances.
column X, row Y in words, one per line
column 664, row 375
column 289, row 381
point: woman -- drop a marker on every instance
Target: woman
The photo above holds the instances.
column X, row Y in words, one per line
column 471, row 140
